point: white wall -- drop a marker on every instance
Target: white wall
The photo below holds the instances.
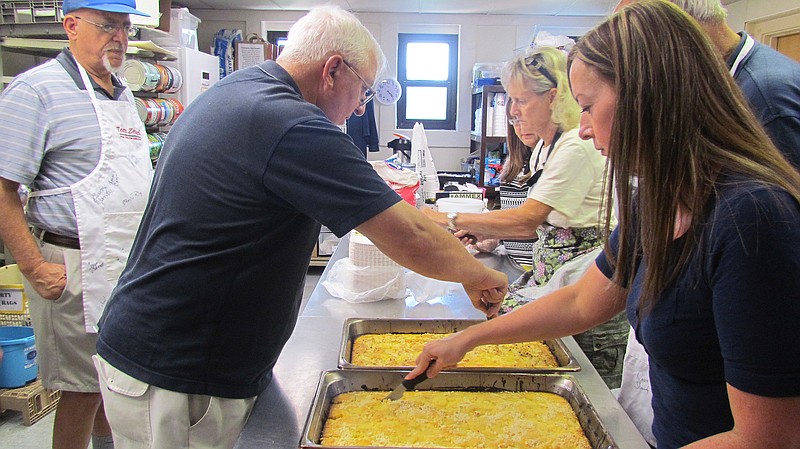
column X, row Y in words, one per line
column 743, row 11
column 483, row 39
column 737, row 14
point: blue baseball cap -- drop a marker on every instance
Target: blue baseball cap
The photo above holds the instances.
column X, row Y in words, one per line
column 120, row 6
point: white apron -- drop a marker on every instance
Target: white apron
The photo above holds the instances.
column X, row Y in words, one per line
column 109, row 201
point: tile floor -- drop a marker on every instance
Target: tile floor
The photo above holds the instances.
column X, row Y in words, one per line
column 15, row 435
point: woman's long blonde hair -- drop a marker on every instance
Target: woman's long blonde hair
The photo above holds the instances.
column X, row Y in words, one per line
column 680, row 123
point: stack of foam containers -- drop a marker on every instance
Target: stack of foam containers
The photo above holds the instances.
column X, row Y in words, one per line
column 379, row 270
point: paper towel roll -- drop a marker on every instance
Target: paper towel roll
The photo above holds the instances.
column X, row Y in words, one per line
column 421, row 155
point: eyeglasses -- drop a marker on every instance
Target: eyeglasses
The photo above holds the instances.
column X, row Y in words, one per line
column 536, row 63
column 369, row 92
column 130, row 30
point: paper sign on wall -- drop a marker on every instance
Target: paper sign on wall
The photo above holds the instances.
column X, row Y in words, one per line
column 250, row 54
column 12, row 300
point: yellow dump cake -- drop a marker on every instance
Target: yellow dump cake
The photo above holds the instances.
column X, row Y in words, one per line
column 402, row 350
column 449, row 419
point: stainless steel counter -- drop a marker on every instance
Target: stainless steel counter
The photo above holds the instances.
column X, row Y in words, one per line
column 281, row 410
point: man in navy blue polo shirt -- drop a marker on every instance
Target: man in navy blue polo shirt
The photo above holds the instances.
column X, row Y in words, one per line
column 214, row 282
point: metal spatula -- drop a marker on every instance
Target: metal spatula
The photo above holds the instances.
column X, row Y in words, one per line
column 406, row 384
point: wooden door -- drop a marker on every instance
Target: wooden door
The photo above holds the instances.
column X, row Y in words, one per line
column 780, row 31
column 789, row 45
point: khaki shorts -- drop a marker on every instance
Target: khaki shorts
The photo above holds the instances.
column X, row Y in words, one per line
column 64, row 348
column 145, row 416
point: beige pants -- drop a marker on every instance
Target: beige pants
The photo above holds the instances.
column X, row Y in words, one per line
column 144, row 416
column 64, row 347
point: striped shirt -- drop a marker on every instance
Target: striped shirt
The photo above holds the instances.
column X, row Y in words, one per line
column 512, row 195
column 50, row 138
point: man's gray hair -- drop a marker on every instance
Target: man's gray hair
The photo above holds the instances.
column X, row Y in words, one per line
column 710, row 11
column 328, row 30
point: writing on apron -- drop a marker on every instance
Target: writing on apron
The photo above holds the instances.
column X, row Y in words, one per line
column 109, row 201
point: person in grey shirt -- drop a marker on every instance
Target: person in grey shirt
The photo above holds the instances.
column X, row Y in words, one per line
column 769, row 80
column 70, row 132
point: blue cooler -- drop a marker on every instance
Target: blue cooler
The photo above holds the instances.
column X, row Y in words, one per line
column 19, row 356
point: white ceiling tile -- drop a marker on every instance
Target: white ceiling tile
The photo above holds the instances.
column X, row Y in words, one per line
column 545, row 7
column 405, row 6
column 587, row 7
column 305, row 5
column 533, row 7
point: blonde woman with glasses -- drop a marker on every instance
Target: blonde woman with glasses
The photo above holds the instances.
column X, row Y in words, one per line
column 563, row 206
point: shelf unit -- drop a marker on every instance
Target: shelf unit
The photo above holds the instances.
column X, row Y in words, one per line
column 34, row 39
column 320, row 260
column 317, row 260
column 479, row 140
column 51, row 47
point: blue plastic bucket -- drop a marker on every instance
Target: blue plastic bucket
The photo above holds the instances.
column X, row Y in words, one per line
column 19, row 356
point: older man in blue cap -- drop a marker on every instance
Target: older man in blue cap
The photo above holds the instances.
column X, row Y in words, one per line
column 69, row 131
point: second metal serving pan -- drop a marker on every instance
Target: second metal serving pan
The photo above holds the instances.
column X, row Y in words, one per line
column 355, row 327
column 335, row 382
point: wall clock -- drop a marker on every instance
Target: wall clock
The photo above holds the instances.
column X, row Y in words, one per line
column 388, row 91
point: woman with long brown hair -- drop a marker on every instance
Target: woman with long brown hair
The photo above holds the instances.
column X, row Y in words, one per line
column 706, row 256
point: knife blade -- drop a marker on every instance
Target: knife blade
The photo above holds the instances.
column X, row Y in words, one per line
column 409, row 384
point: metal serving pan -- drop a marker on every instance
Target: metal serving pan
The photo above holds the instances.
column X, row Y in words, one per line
column 335, row 382
column 355, row 327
